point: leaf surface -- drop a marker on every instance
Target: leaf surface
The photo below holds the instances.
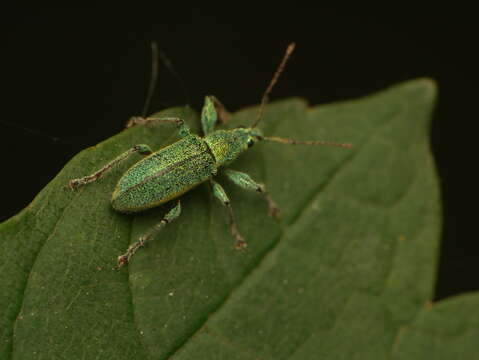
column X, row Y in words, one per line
column 346, row 273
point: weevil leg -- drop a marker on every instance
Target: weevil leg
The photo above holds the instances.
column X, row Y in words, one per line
column 209, row 116
column 148, row 236
column 223, row 114
column 244, row 180
column 220, row 194
column 76, row 183
column 213, row 110
column 184, row 130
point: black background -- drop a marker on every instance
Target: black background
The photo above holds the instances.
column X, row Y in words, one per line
column 77, row 75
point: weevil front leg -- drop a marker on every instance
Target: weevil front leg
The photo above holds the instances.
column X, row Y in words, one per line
column 76, row 183
column 148, row 236
column 184, row 130
column 220, row 194
column 213, row 110
column 244, row 180
column 223, row 114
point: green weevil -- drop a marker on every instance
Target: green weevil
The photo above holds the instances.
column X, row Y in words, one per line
column 166, row 174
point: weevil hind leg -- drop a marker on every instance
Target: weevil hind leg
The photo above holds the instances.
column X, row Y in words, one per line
column 244, row 181
column 183, row 129
column 220, row 194
column 149, row 235
column 141, row 149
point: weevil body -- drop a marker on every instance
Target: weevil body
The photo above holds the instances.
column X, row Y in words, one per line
column 168, row 173
column 164, row 175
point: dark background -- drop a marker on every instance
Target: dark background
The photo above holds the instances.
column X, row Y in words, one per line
column 73, row 76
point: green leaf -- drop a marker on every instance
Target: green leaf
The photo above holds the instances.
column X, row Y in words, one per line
column 346, row 273
column 448, row 330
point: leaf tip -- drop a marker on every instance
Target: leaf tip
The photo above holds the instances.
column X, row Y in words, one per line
column 428, row 86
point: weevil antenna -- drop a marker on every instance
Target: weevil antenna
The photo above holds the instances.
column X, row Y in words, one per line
column 30, row 130
column 169, row 65
column 153, row 79
column 157, row 56
column 279, row 70
column 313, row 142
column 40, row 133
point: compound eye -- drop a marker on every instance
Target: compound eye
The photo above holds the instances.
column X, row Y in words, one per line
column 250, row 142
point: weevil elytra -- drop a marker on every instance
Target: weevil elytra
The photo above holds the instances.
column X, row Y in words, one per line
column 166, row 174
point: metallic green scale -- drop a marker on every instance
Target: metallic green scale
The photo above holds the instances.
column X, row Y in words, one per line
column 175, row 169
column 164, row 175
column 227, row 145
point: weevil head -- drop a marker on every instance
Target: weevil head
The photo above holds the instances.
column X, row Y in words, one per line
column 227, row 145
